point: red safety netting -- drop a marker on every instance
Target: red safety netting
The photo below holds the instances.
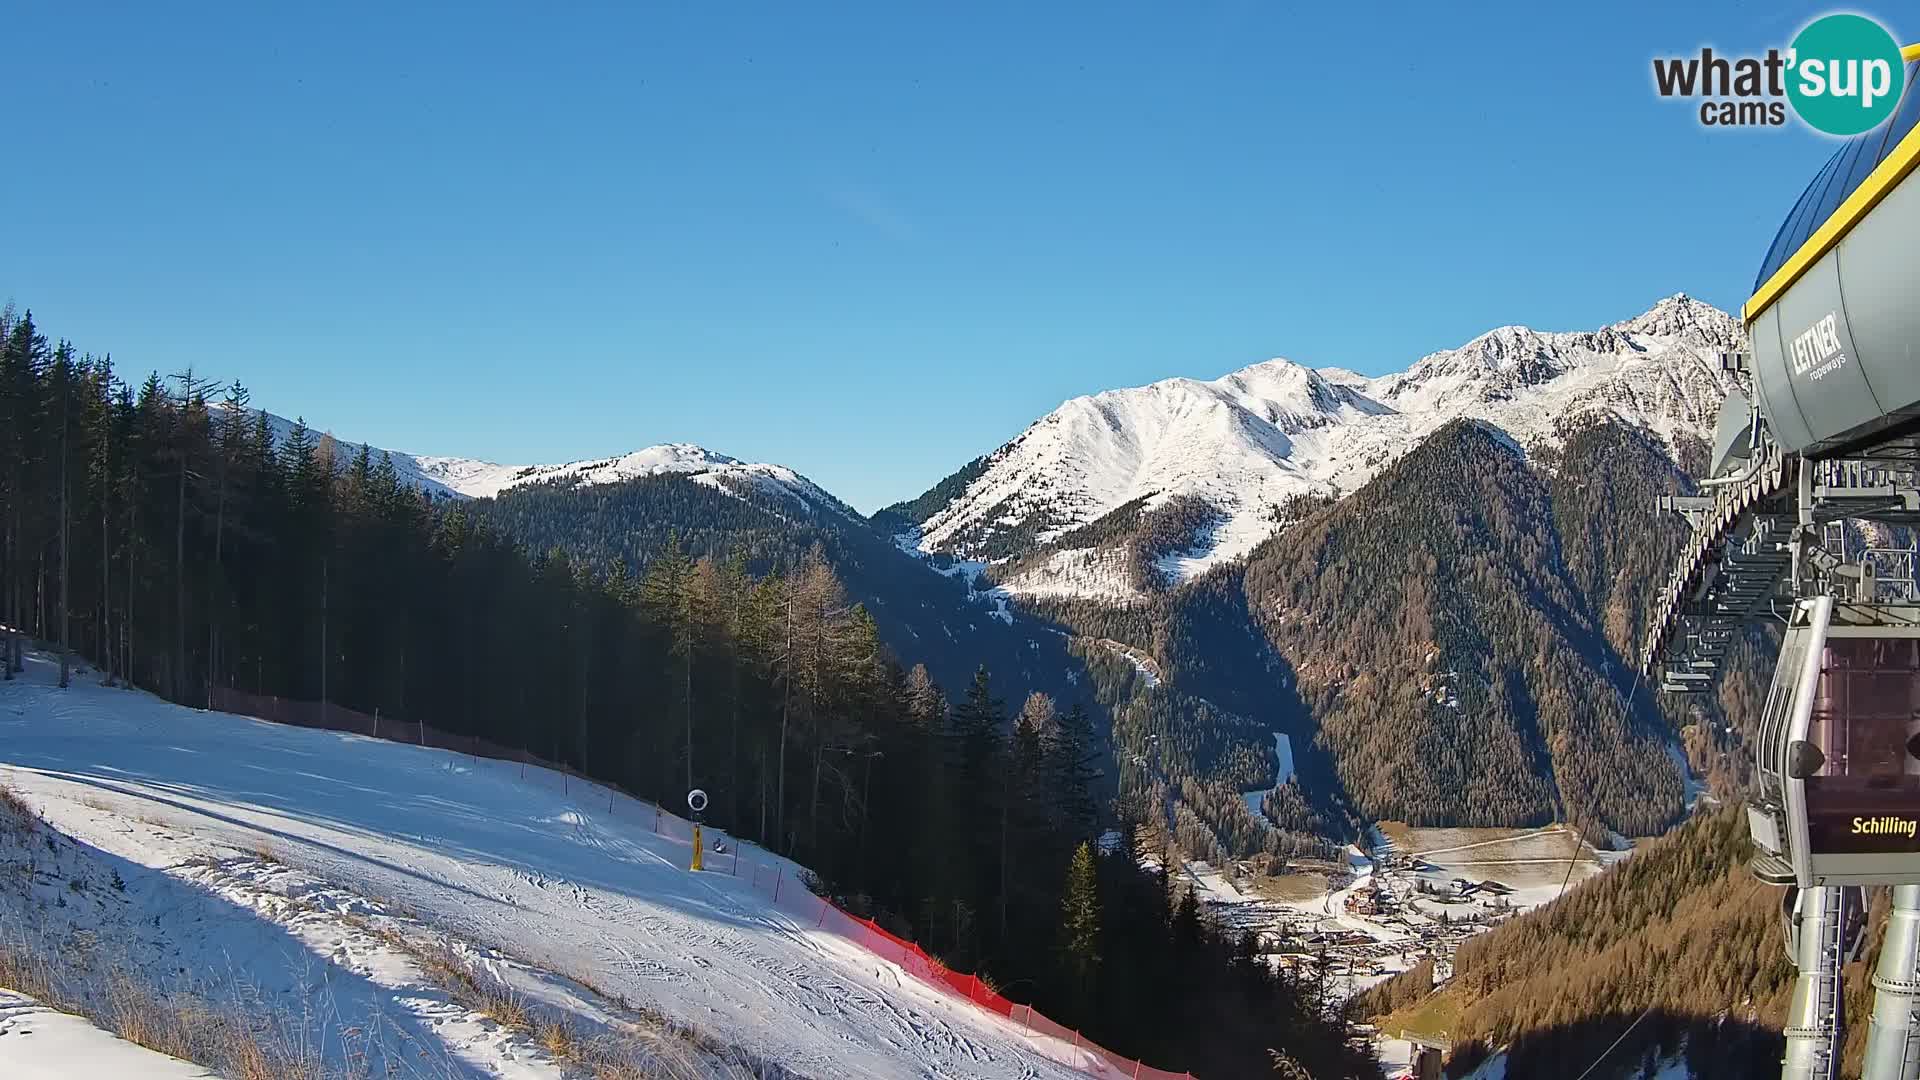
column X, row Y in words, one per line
column 792, row 898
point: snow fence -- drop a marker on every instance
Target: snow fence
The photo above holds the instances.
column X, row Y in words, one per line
column 764, row 873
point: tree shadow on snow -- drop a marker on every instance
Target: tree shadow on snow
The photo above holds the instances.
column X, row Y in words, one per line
column 1617, row 1047
column 91, row 916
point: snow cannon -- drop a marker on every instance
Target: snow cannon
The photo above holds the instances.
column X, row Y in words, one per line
column 697, row 802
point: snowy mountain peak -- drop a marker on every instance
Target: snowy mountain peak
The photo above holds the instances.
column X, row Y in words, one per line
column 479, row 479
column 460, row 477
column 1248, row 441
column 1681, row 316
column 1280, row 387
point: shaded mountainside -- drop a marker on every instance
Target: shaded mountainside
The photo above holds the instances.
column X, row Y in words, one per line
column 1606, row 479
column 922, row 614
column 1456, row 669
column 1680, row 931
column 1451, row 644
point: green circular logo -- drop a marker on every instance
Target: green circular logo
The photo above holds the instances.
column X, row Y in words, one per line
column 1845, row 74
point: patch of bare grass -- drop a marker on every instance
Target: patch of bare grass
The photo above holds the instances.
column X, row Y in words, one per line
column 222, row 1023
column 15, row 815
column 233, row 1041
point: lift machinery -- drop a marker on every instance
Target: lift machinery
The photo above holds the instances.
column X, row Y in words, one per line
column 1808, row 518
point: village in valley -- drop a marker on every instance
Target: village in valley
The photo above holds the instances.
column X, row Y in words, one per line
column 1407, row 895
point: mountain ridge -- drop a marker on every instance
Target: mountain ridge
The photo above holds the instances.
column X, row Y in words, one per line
column 1253, row 439
column 454, row 477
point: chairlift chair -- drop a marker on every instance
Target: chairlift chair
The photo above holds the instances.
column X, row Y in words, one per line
column 1837, row 799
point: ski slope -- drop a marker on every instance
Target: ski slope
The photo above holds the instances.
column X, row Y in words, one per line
column 558, row 886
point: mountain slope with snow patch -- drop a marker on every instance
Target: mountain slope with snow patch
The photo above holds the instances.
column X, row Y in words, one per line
column 1250, row 441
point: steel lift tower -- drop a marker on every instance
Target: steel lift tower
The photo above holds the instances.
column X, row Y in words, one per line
column 1807, row 517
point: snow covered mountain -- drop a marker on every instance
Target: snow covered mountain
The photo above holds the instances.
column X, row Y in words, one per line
column 459, row 477
column 1248, row 442
column 480, row 479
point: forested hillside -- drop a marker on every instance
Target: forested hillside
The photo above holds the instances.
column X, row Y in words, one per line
column 1680, row 932
column 1451, row 644
column 162, row 532
column 926, row 615
column 1457, row 671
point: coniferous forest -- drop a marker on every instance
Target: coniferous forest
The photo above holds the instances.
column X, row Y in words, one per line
column 158, row 529
column 1680, row 938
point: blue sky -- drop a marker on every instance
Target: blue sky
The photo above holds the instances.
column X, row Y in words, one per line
column 870, row 241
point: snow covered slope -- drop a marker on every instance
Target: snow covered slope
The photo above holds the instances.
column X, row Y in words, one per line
column 1249, row 440
column 39, row 1043
column 245, row 838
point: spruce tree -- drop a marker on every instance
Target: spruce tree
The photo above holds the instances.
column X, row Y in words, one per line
column 1080, row 921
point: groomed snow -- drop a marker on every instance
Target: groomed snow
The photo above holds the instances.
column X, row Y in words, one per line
column 539, row 868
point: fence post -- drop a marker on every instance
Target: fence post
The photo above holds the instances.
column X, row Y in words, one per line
column 822, row 920
column 1136, row 1070
column 376, row 721
column 656, row 819
column 778, row 871
column 1076, row 1040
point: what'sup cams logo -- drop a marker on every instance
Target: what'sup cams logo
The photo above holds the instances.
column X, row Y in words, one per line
column 1842, row 75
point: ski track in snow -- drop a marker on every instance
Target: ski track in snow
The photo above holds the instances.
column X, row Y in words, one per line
column 471, row 848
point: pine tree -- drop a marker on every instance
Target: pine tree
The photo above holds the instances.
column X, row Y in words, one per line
column 1072, row 762
column 1080, row 921
column 667, row 593
column 974, row 765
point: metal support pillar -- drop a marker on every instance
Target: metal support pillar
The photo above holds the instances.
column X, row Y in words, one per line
column 1802, row 578
column 1816, row 1026
column 1893, row 1036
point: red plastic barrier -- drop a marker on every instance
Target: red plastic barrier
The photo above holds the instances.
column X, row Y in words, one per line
column 791, row 897
column 1054, row 1041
